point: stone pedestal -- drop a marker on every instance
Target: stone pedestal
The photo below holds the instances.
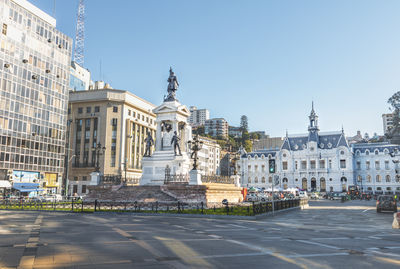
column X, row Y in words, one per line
column 94, row 178
column 171, row 119
column 195, row 177
column 236, row 180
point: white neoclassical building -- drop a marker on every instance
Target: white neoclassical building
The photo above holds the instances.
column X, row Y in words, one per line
column 314, row 161
column 376, row 166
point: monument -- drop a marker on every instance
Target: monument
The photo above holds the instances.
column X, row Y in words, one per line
column 172, row 134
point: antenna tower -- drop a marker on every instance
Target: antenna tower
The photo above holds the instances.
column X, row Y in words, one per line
column 80, row 34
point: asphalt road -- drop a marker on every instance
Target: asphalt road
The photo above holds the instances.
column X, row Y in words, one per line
column 329, row 234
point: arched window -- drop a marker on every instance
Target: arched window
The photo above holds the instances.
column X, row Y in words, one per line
column 358, row 152
column 387, row 178
column 249, row 180
column 376, row 152
column 386, row 151
column 367, row 152
column 249, row 157
column 359, row 178
column 263, row 180
column 270, row 180
column 262, row 156
column 368, row 178
column 378, row 178
column 256, row 180
column 256, row 157
column 285, row 180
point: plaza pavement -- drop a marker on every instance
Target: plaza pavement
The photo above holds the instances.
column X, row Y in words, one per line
column 329, row 234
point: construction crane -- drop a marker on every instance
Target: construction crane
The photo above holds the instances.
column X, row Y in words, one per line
column 80, row 34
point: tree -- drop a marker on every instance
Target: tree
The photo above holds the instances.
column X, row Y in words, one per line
column 244, row 124
column 394, row 133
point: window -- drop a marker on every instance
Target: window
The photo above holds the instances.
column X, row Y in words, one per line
column 263, row 180
column 358, row 165
column 330, row 164
column 367, row 165
column 342, row 164
column 378, row 178
column 387, row 165
column 376, row 152
column 75, row 189
column 96, row 109
column 83, row 188
column 115, row 109
column 322, row 164
column 129, row 112
column 367, row 152
column 295, row 165
column 270, row 180
column 256, row 180
column 369, row 178
column 84, row 178
column 359, row 178
column 284, row 166
column 4, row 31
column 80, row 110
column 249, row 168
column 256, row 168
column 88, row 109
column 387, row 178
column 249, row 180
column 262, row 168
column 377, row 165
column 303, row 165
column 313, row 164
column 342, row 152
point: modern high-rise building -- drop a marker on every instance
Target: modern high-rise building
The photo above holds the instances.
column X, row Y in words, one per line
column 216, row 127
column 209, row 156
column 114, row 119
column 198, row 117
column 387, row 122
column 34, row 74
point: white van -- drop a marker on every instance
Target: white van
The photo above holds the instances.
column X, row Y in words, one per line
column 303, row 194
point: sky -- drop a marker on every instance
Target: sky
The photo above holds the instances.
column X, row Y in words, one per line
column 265, row 59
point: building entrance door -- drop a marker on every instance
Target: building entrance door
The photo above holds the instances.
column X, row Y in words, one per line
column 304, row 184
column 322, row 184
column 313, row 184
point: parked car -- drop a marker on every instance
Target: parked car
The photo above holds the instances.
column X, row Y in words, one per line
column 336, row 196
column 54, row 197
column 252, row 197
column 314, row 196
column 386, row 203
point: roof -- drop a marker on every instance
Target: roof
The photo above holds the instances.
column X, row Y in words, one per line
column 260, row 153
column 371, row 147
column 326, row 141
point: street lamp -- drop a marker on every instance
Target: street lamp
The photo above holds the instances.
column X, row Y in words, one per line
column 98, row 150
column 195, row 146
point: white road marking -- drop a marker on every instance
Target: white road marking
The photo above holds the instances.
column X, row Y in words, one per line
column 366, row 210
column 317, row 255
column 239, row 226
column 318, row 244
column 331, row 238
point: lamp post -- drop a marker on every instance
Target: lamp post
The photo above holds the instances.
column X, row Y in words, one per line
column 66, row 164
column 98, row 150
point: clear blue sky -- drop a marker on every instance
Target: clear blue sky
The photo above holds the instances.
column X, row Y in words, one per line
column 265, row 59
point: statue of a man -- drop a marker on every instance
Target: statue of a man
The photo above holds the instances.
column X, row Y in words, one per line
column 172, row 85
column 149, row 142
column 175, row 142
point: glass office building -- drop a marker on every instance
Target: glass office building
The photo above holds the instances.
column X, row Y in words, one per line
column 34, row 83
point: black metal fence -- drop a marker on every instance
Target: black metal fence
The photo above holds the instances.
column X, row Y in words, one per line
column 243, row 209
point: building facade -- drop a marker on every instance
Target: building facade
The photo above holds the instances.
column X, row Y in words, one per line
column 217, row 127
column 387, row 122
column 79, row 78
column 198, row 117
column 235, row 132
column 209, row 156
column 376, row 167
column 268, row 143
column 315, row 162
column 117, row 120
column 34, row 68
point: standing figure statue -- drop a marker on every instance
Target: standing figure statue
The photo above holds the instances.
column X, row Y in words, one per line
column 175, row 141
column 172, row 86
column 149, row 142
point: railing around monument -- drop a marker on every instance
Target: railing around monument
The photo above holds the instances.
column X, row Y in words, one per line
column 217, row 179
column 176, row 178
column 110, row 179
column 74, row 205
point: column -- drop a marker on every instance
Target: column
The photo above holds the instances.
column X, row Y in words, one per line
column 158, row 136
